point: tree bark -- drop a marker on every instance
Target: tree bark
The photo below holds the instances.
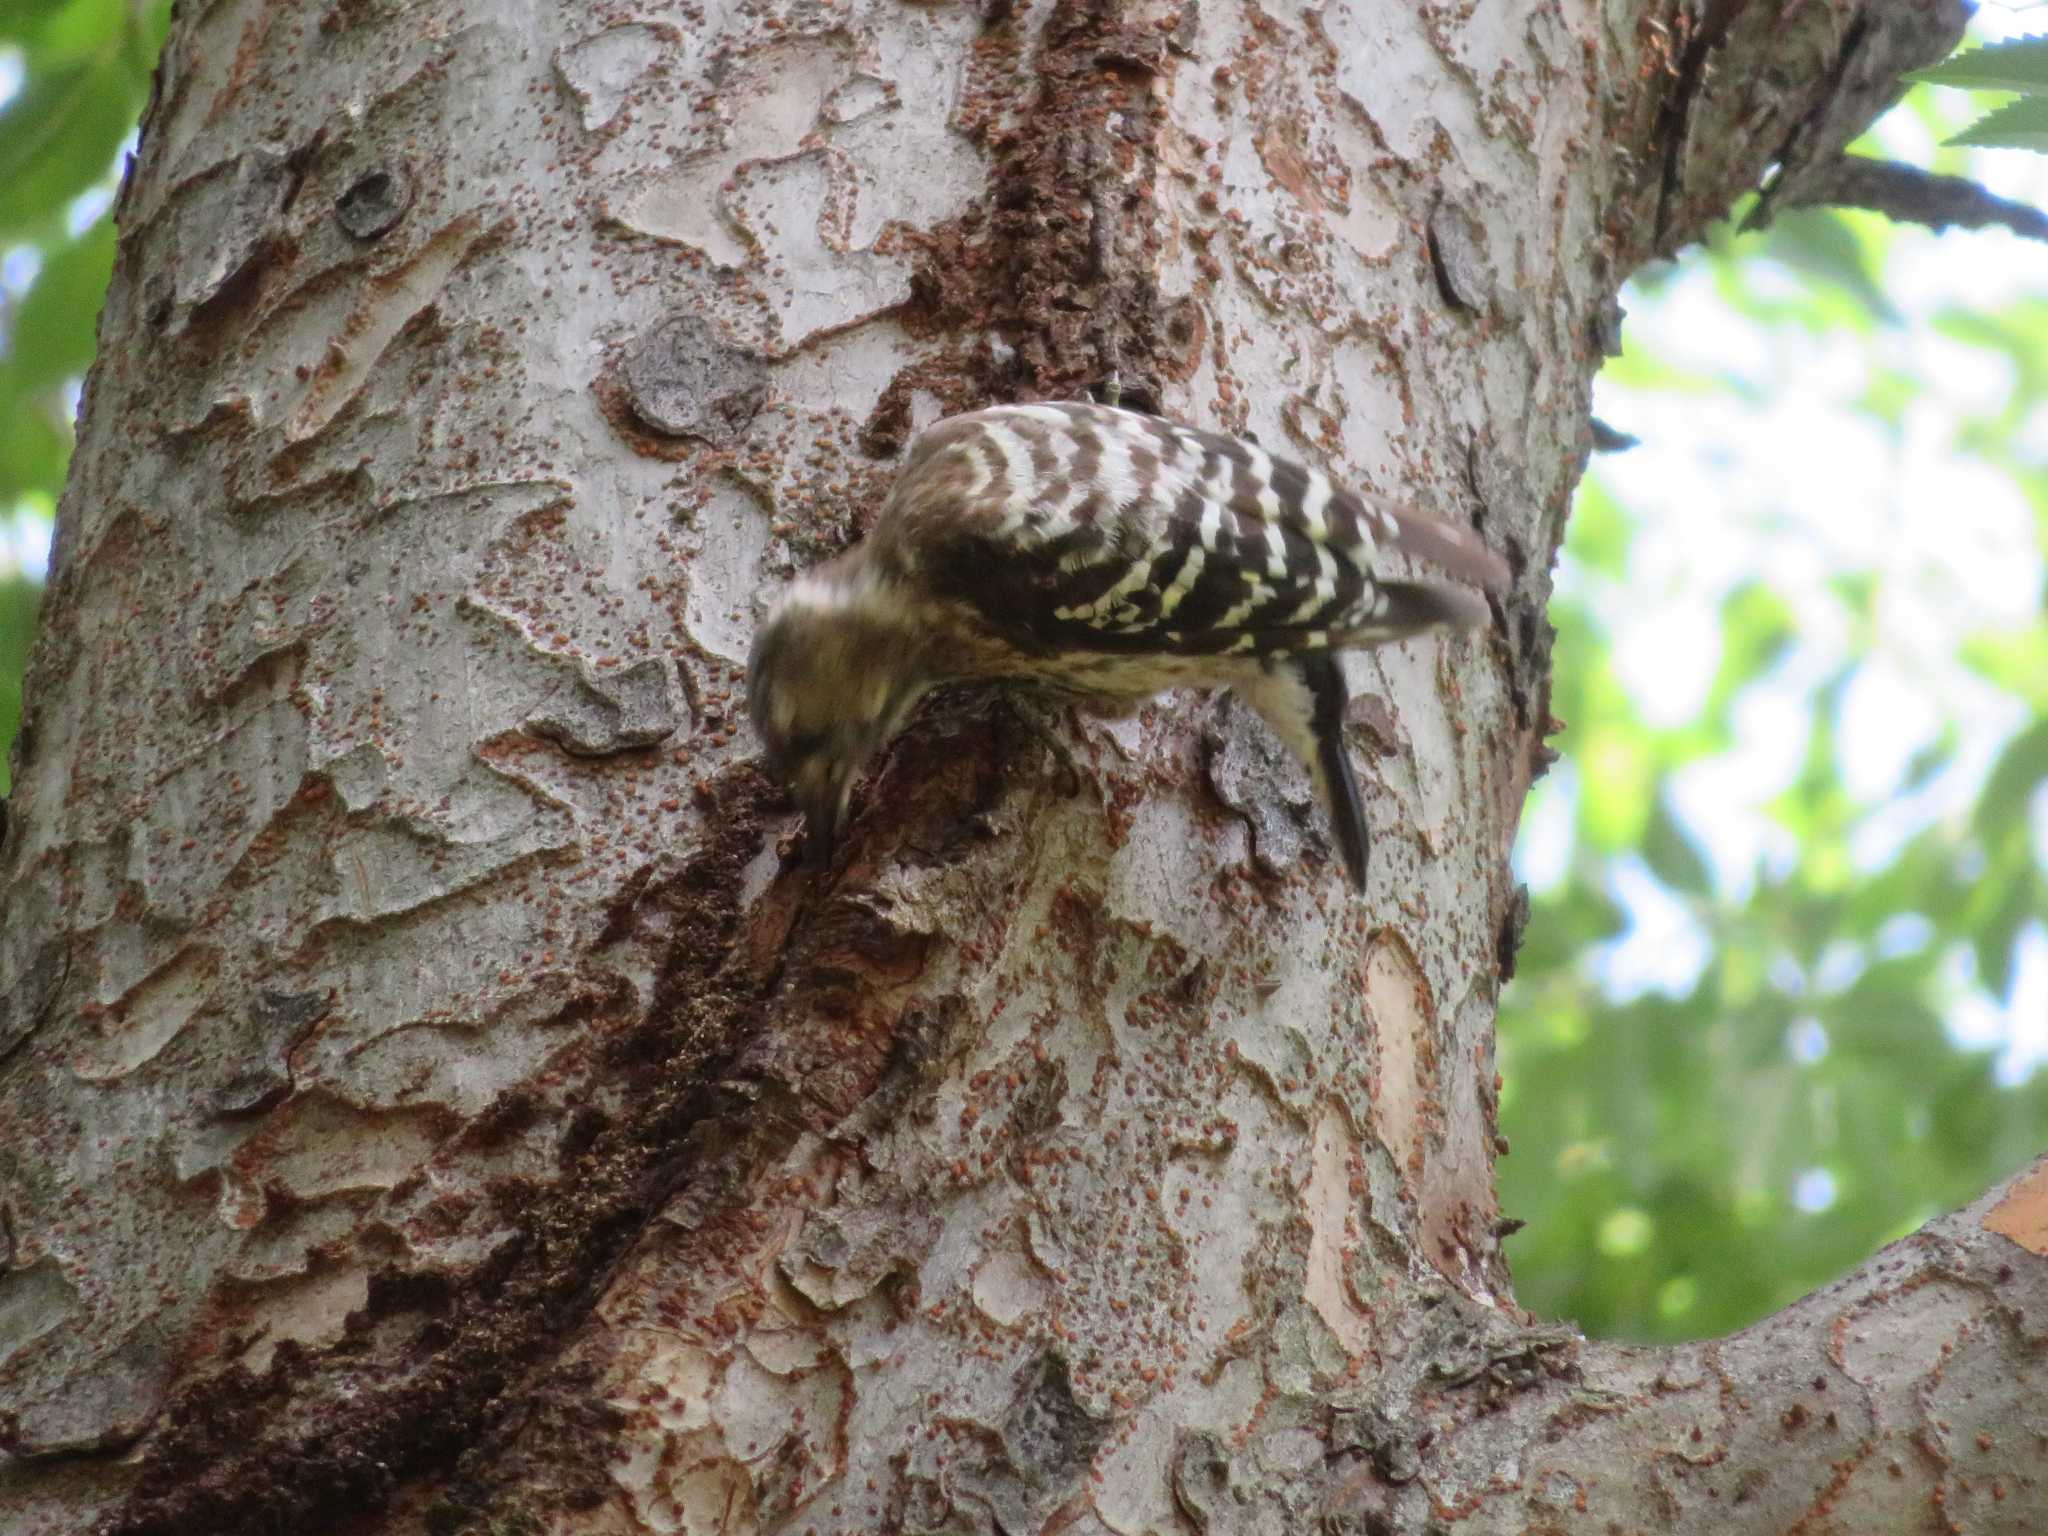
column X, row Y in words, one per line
column 431, row 1095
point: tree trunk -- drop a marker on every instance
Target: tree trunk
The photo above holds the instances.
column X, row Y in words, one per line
column 432, row 1096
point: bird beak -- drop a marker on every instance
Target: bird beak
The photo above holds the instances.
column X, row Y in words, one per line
column 818, row 831
column 824, row 806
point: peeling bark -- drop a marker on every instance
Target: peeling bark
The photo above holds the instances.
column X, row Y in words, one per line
column 431, row 1099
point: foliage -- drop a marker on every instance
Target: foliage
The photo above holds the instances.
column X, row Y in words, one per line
column 2019, row 65
column 18, row 596
column 1695, row 1155
column 73, row 76
column 1775, row 1003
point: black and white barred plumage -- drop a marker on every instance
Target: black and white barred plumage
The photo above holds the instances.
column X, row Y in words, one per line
column 1112, row 555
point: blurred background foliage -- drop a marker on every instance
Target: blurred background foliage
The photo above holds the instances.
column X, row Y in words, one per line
column 74, row 75
column 1785, row 989
column 1784, row 995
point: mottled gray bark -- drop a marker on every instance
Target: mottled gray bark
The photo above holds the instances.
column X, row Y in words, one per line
column 431, row 1098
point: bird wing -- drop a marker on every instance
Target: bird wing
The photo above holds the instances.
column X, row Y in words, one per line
column 1111, row 530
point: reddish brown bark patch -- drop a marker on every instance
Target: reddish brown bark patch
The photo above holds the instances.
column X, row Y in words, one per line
column 322, row 1437
column 1059, row 265
column 2023, row 1214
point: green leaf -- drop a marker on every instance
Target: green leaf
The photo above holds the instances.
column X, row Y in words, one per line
column 2021, row 124
column 1822, row 244
column 2010, row 788
column 1671, row 855
column 23, row 21
column 2005, row 907
column 79, row 30
column 56, row 326
column 146, row 37
column 2017, row 662
column 2018, row 65
column 1619, row 774
column 1757, row 626
column 34, row 444
column 58, row 136
column 1599, row 531
column 18, row 600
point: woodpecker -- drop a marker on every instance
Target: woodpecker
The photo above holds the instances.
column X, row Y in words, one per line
column 1110, row 555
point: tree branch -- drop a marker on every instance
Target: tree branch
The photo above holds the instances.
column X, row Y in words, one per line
column 1908, row 195
column 1911, row 1395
